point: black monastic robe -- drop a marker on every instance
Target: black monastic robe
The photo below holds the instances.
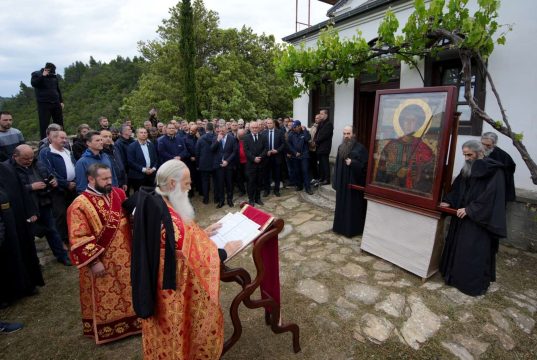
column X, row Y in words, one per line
column 509, row 171
column 349, row 217
column 20, row 272
column 469, row 257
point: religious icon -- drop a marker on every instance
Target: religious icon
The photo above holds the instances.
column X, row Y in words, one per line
column 410, row 141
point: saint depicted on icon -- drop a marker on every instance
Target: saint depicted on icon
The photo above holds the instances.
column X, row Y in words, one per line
column 408, row 162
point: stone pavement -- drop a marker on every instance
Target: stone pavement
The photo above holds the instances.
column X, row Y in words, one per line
column 352, row 305
column 346, row 289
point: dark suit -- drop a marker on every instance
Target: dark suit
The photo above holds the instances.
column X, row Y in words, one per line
column 323, row 142
column 224, row 175
column 169, row 148
column 275, row 140
column 204, row 158
column 137, row 163
column 254, row 170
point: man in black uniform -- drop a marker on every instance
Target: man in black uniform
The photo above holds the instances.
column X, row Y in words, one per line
column 49, row 97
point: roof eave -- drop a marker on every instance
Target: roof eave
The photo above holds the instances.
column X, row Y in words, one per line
column 360, row 10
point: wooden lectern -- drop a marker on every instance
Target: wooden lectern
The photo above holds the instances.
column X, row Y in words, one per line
column 265, row 256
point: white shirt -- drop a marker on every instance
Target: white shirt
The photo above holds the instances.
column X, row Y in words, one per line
column 145, row 151
column 69, row 167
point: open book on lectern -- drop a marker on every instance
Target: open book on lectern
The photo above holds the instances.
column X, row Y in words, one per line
column 236, row 226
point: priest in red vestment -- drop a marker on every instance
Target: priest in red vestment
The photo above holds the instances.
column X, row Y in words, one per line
column 100, row 244
column 176, row 272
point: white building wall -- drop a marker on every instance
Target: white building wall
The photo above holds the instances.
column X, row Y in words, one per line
column 512, row 66
column 343, row 112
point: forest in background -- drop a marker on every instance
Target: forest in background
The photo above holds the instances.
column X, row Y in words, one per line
column 235, row 77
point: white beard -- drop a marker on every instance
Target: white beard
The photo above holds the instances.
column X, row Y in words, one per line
column 181, row 204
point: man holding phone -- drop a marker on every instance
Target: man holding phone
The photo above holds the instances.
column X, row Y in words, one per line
column 49, row 97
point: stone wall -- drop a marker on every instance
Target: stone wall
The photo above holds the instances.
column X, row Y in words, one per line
column 522, row 222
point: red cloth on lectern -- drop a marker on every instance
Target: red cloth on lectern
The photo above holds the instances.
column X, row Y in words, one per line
column 270, row 285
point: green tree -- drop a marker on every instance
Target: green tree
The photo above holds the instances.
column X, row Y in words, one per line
column 442, row 25
column 188, row 54
column 235, row 72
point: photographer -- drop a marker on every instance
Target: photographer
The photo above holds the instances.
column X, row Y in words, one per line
column 40, row 184
column 49, row 97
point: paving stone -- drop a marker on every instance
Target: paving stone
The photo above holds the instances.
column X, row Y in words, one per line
column 524, row 322
column 310, row 243
column 318, row 255
column 346, row 304
column 362, row 293
column 313, row 268
column 300, row 218
column 376, row 329
column 474, row 346
column 291, row 203
column 344, row 314
column 383, row 276
column 393, row 305
column 398, row 284
column 352, row 271
column 531, row 309
column 531, row 293
column 336, row 258
column 364, row 259
column 326, row 323
column 287, row 229
column 458, row 297
column 331, row 246
column 313, row 290
column 314, row 227
column 381, row 265
column 525, row 298
column 421, row 325
column 357, row 334
column 465, row 317
column 293, row 256
column 458, row 350
column 499, row 320
column 432, row 285
column 506, row 341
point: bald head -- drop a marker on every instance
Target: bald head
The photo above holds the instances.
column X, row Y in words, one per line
column 23, row 155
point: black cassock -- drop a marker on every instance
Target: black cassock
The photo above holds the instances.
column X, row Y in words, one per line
column 351, row 207
column 469, row 257
column 20, row 272
column 509, row 171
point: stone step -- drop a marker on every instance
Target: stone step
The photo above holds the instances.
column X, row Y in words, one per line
column 320, row 198
column 328, row 192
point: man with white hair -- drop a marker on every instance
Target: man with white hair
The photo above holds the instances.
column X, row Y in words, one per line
column 175, row 272
column 489, row 140
column 478, row 195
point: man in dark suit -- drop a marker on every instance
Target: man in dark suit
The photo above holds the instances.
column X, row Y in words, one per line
column 323, row 145
column 204, row 158
column 275, row 146
column 256, row 152
column 172, row 146
column 224, row 151
column 142, row 160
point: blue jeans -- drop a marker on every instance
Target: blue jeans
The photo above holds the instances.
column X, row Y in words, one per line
column 47, row 223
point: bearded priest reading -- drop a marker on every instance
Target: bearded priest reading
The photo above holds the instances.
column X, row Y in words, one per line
column 175, row 272
column 100, row 240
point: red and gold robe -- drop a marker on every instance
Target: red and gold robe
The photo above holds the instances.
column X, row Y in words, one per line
column 99, row 230
column 188, row 323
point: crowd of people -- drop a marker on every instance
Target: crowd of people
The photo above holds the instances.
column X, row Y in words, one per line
column 103, row 198
column 224, row 159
